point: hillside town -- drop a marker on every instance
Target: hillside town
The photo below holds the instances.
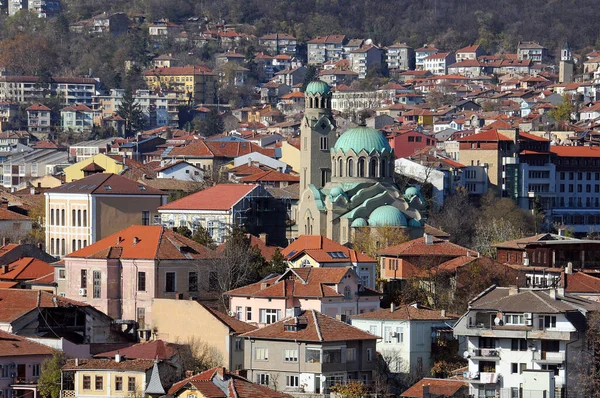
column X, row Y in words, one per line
column 243, row 215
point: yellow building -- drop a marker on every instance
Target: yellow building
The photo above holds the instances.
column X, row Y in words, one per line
column 290, row 155
column 195, row 83
column 78, row 171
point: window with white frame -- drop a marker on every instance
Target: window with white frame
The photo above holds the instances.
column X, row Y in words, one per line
column 269, row 315
column 262, row 378
column 387, row 334
column 400, row 335
column 238, row 312
column 514, row 319
column 369, row 354
column 373, row 330
column 261, row 354
column 290, row 355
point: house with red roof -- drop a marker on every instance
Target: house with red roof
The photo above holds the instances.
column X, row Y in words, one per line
column 121, row 274
column 332, row 291
column 438, row 63
column 220, row 207
column 430, row 388
column 319, row 251
column 78, row 117
column 23, row 270
column 309, row 352
column 39, row 118
column 469, row 53
column 180, row 170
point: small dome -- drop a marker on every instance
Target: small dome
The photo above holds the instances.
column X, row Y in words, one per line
column 336, row 191
column 411, row 191
column 359, row 222
column 360, row 138
column 317, row 87
column 414, row 223
column 387, row 216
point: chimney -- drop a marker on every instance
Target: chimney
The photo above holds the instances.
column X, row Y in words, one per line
column 443, row 313
column 76, row 362
column 561, row 232
column 3, row 241
column 512, row 290
column 118, row 357
column 5, row 268
column 119, row 240
column 428, row 238
column 135, row 240
column 392, row 307
column 569, row 269
column 426, row 391
column 263, row 237
column 552, row 294
column 32, row 190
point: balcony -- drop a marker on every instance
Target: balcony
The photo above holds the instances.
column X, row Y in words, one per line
column 67, row 394
column 482, row 378
column 549, row 357
column 487, row 354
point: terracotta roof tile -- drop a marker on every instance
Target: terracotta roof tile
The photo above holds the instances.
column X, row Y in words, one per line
column 409, row 312
column 318, row 247
column 26, row 268
column 6, row 215
column 156, row 349
column 488, row 135
column 38, row 107
column 106, row 184
column 16, row 302
column 218, row 197
column 418, row 247
column 140, row 365
column 580, row 282
column 437, row 388
column 576, row 151
column 13, row 345
column 270, row 176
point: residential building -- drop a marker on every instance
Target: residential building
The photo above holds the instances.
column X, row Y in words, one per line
column 469, row 53
column 21, row 167
column 42, row 8
column 71, row 90
column 20, row 364
column 222, row 206
column 431, row 388
column 422, row 53
column 309, row 352
column 19, row 272
column 39, row 118
column 332, row 291
column 279, row 43
column 121, row 274
column 13, row 226
column 511, row 331
column 115, row 24
column 8, row 112
column 530, row 50
column 180, row 170
column 196, row 83
column 364, row 59
column 411, row 337
column 164, row 28
column 100, row 163
column 401, row 57
column 406, row 143
column 220, row 331
column 291, row 77
column 319, row 251
column 218, row 381
column 467, row 67
column 78, row 118
column 86, row 149
column 338, row 76
column 347, row 99
column 84, row 211
column 438, row 63
column 323, row 49
column 270, row 178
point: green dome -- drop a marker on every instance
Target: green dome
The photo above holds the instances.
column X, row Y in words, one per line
column 414, row 223
column 360, row 138
column 336, row 191
column 387, row 216
column 317, row 87
column 411, row 191
column 359, row 222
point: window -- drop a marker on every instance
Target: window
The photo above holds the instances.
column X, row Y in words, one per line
column 518, row 345
column 85, row 218
column 262, row 378
column 35, row 370
column 61, row 273
column 261, row 354
column 73, row 217
column 74, row 245
column 549, row 321
column 118, row 383
column 373, row 330
column 141, row 280
column 145, row 217
column 350, row 171
column 411, row 139
column 514, row 319
column 97, row 284
column 83, row 279
column 131, row 384
column 51, row 216
column 98, row 382
column 387, row 334
column 312, row 355
column 324, row 144
column 239, row 345
column 170, row 282
column 248, row 314
column 79, row 218
column 290, row 355
column 141, row 317
column 522, row 367
column 87, row 382
column 347, row 293
column 514, row 368
column 193, row 282
column 291, row 381
column 369, row 354
column 269, row 316
column 350, row 354
column 238, row 313
column 213, row 281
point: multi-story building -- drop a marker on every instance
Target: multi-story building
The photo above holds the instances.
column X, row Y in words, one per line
column 400, row 56
column 410, row 336
column 78, row 118
column 39, row 118
column 332, row 291
column 164, row 28
column 530, row 50
column 191, row 83
column 160, row 109
column 82, row 212
column 279, row 43
column 18, row 168
column 469, row 53
column 87, row 149
column 8, row 111
column 364, row 59
column 116, row 23
column 323, row 49
column 422, row 53
column 71, row 90
column 511, row 330
column 153, row 262
column 309, row 352
column 438, row 63
column 43, row 8
column 346, row 99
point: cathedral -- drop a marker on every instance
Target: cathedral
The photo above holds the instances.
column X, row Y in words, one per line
column 347, row 180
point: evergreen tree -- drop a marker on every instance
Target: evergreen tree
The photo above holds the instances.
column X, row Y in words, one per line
column 130, row 110
column 203, row 237
column 311, row 74
column 212, row 125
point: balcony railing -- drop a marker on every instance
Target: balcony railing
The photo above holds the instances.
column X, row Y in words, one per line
column 486, row 353
column 549, row 356
column 67, row 394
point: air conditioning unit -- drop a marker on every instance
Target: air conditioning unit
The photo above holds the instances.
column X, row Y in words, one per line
column 83, row 292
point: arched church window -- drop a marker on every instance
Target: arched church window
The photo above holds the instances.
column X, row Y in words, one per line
column 361, row 167
column 373, row 168
column 340, row 167
column 350, row 171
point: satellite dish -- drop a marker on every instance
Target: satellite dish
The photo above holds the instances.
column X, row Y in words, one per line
column 498, row 321
column 368, row 42
column 466, row 354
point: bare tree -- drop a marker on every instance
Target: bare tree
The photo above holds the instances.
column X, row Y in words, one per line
column 197, row 355
column 587, row 365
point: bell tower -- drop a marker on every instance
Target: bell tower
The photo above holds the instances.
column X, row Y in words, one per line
column 317, row 136
column 565, row 68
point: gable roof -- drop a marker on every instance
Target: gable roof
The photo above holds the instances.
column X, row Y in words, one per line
column 156, row 349
column 219, row 149
column 408, row 312
column 580, row 282
column 26, row 268
column 437, row 388
column 145, row 242
column 491, row 135
column 320, row 248
column 313, row 327
column 218, row 197
column 418, row 247
column 9, row 215
column 15, row 303
column 269, row 176
column 13, row 345
column 106, row 184
column 138, row 365
column 504, row 299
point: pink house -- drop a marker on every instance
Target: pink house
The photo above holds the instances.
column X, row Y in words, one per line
column 332, row 291
column 20, row 365
column 121, row 274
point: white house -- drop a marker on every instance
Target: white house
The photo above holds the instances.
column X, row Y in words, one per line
column 510, row 330
column 410, row 335
column 258, row 158
column 181, row 170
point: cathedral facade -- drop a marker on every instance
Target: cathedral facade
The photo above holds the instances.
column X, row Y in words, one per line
column 347, row 180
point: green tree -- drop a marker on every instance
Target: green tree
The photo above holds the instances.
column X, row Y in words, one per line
column 563, row 111
column 49, row 381
column 183, row 230
column 311, row 74
column 212, row 125
column 278, row 265
column 204, row 238
column 130, row 110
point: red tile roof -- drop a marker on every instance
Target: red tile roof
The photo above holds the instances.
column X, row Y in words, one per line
column 576, row 151
column 140, row 365
column 156, row 349
column 180, row 71
column 218, row 197
column 580, row 282
column 409, row 312
column 330, row 39
column 13, row 345
column 270, row 176
column 77, row 108
column 312, row 327
column 489, row 136
column 106, row 184
column 216, row 149
column 437, row 388
column 235, row 325
column 469, row 49
column 38, row 107
column 6, row 215
column 26, row 268
column 532, row 137
column 145, row 242
column 15, row 303
column 418, row 247
column 318, row 247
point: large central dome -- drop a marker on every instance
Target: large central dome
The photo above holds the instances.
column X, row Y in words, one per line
column 360, row 138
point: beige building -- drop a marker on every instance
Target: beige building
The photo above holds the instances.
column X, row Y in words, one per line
column 81, row 212
column 196, row 83
column 290, row 155
column 216, row 329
